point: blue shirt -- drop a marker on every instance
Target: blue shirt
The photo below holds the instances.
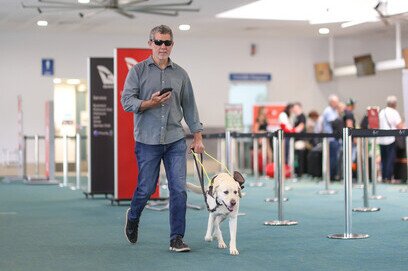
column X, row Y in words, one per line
column 329, row 115
column 162, row 124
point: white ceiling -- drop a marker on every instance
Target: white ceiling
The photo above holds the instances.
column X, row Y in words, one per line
column 203, row 24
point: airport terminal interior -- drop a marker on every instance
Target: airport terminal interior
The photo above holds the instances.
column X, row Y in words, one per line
column 307, row 100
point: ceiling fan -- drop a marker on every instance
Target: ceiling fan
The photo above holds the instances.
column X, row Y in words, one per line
column 381, row 12
column 124, row 8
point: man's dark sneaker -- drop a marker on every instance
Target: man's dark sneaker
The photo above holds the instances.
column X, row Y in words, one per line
column 178, row 245
column 131, row 228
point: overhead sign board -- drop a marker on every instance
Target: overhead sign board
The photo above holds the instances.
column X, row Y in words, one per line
column 250, row 77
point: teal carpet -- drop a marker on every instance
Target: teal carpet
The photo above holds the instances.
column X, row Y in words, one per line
column 51, row 228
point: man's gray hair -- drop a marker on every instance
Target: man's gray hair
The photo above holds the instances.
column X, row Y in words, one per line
column 162, row 29
column 333, row 97
column 391, row 100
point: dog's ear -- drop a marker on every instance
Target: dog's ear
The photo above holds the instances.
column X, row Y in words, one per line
column 239, row 178
column 211, row 187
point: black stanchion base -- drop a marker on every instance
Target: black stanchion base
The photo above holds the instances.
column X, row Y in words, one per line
column 366, row 209
column 280, row 223
column 345, row 236
column 91, row 194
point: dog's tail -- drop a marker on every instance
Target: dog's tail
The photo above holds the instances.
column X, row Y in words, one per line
column 194, row 188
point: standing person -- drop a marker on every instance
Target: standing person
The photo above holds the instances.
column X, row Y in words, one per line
column 261, row 126
column 348, row 116
column 159, row 134
column 286, row 126
column 300, row 118
column 389, row 119
column 329, row 116
column 300, row 145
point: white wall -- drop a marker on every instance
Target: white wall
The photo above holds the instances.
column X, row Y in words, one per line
column 208, row 61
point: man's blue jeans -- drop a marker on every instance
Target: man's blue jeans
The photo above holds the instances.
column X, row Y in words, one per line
column 334, row 148
column 387, row 160
column 148, row 161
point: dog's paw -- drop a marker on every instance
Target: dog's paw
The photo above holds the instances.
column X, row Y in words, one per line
column 221, row 244
column 234, row 251
column 208, row 238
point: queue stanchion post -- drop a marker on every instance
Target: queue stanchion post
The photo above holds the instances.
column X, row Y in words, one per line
column 264, row 155
column 326, row 169
column 228, row 149
column 258, row 183
column 78, row 161
column 347, row 173
column 366, row 207
column 65, row 160
column 229, row 153
column 359, row 183
column 37, row 156
column 374, row 170
column 222, row 153
column 24, row 158
column 280, row 176
column 405, row 190
column 255, row 166
column 275, row 170
column 233, row 153
column 292, row 161
column 241, row 160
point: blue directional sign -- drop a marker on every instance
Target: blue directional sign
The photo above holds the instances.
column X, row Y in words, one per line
column 47, row 66
column 250, row 77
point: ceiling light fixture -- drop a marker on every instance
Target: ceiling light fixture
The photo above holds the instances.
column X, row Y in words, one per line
column 83, row 1
column 324, row 31
column 42, row 23
column 57, row 81
column 316, row 11
column 184, row 27
column 73, row 81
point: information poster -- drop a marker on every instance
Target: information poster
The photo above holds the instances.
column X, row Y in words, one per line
column 101, row 124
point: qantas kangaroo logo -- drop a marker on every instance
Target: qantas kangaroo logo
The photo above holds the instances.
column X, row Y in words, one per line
column 130, row 62
column 106, row 76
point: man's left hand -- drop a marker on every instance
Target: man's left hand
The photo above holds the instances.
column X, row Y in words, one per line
column 197, row 145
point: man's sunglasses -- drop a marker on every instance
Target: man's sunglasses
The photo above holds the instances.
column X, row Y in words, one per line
column 160, row 42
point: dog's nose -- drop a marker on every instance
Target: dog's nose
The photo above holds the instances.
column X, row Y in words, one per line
column 233, row 202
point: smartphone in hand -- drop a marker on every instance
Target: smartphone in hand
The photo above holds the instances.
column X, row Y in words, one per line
column 165, row 90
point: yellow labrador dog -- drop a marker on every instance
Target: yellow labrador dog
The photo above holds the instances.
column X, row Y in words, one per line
column 223, row 195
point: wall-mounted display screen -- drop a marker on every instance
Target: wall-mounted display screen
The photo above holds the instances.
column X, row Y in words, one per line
column 364, row 65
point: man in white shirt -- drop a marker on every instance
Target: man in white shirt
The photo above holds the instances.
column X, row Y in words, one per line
column 329, row 115
column 389, row 119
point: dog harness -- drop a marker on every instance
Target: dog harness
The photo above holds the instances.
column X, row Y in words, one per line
column 211, row 202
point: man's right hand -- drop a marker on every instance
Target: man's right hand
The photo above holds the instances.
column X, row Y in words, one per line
column 155, row 100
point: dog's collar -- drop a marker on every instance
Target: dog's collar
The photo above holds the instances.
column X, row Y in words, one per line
column 212, row 203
